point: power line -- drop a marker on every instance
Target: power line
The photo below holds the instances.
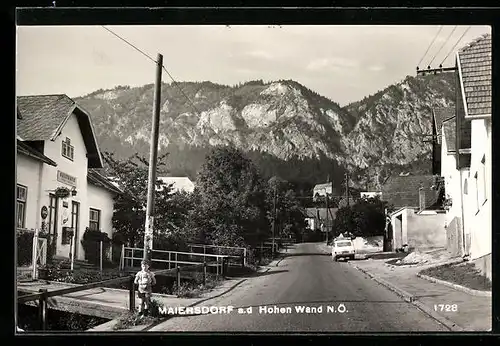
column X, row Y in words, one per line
column 451, row 50
column 435, row 37
column 130, row 44
column 444, row 43
column 153, row 60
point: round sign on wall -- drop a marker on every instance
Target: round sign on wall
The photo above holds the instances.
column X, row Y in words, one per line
column 44, row 212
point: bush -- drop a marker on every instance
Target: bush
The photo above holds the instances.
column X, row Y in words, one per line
column 24, row 247
column 91, row 245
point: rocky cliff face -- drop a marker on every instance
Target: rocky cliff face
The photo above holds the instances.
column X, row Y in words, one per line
column 281, row 124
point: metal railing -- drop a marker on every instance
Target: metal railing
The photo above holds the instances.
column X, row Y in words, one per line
column 219, row 249
column 129, row 258
column 43, row 295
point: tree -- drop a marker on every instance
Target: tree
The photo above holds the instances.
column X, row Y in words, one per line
column 129, row 214
column 290, row 213
column 365, row 218
column 230, row 200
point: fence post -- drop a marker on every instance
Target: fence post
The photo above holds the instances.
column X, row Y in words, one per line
column 34, row 254
column 100, row 257
column 122, row 258
column 178, row 277
column 42, row 308
column 169, row 259
column 244, row 257
column 204, row 273
column 217, row 266
column 204, row 252
column 176, row 263
column 131, row 297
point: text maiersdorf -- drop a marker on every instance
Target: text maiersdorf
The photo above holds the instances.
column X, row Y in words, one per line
column 263, row 309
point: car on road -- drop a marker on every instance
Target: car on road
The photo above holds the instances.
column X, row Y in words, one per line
column 343, row 248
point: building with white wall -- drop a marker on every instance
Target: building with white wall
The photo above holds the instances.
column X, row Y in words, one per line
column 57, row 150
column 473, row 124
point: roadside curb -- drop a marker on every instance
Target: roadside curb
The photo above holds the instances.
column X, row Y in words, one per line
column 403, row 294
column 456, row 286
column 411, row 299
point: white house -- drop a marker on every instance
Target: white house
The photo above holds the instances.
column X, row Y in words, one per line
column 57, row 148
column 323, row 190
column 473, row 123
column 179, row 184
column 458, row 242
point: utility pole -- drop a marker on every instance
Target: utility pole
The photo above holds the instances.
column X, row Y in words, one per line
column 274, row 216
column 326, row 222
column 149, row 227
column 435, row 70
column 347, row 187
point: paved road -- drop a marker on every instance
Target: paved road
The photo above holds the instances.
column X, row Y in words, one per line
column 308, row 278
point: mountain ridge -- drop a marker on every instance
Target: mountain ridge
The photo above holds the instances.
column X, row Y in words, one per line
column 282, row 119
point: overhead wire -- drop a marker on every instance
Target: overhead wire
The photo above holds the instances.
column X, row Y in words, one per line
column 430, row 45
column 444, row 43
column 458, row 41
column 165, row 69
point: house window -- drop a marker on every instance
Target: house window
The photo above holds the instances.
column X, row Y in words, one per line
column 94, row 219
column 22, row 192
column 67, row 149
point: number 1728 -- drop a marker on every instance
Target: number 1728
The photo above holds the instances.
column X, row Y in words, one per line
column 446, row 307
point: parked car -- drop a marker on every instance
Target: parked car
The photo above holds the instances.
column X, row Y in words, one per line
column 343, row 248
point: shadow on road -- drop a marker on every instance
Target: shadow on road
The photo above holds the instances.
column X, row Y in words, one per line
column 305, row 254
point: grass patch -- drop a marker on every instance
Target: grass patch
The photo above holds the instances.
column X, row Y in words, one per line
column 132, row 319
column 464, row 274
column 82, row 276
column 194, row 289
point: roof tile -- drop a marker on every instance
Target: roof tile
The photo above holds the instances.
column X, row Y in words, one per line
column 475, row 63
column 42, row 115
column 403, row 191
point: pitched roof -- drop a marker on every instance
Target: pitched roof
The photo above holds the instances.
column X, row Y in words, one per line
column 321, row 214
column 440, row 115
column 42, row 117
column 403, row 191
column 475, row 74
column 450, row 131
column 178, row 183
column 323, row 186
column 97, row 179
column 24, row 148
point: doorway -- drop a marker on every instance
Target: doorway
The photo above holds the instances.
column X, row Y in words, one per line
column 75, row 221
column 53, row 219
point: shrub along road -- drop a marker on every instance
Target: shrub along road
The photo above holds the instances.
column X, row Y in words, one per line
column 350, row 301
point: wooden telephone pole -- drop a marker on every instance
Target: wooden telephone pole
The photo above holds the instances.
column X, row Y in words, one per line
column 274, row 217
column 347, row 187
column 149, row 227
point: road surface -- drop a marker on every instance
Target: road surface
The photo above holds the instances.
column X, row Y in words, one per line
column 349, row 301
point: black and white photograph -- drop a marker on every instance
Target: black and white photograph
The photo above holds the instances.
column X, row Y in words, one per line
column 253, row 178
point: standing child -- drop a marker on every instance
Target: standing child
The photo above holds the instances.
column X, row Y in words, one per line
column 145, row 279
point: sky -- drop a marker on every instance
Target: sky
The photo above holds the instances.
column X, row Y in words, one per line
column 343, row 63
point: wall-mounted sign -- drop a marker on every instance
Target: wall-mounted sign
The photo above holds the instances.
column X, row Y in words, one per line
column 66, row 178
column 44, row 212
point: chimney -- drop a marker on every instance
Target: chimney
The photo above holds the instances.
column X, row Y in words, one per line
column 421, row 197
